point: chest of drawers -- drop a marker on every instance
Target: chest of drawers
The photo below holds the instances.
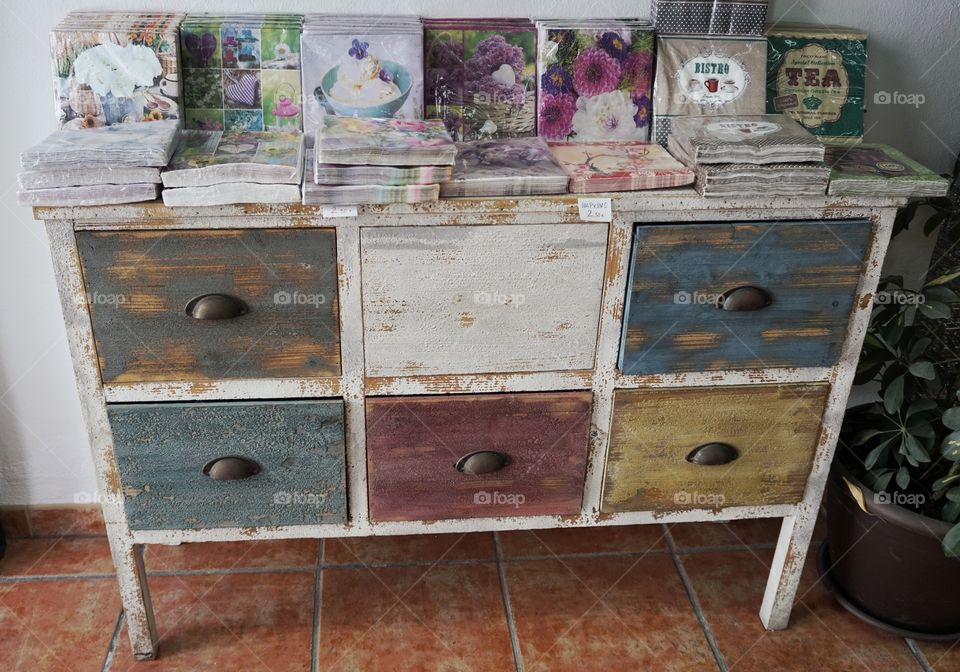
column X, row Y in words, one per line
column 252, row 372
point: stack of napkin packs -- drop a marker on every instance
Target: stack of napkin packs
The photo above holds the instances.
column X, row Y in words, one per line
column 619, row 166
column 754, row 155
column 505, row 167
column 96, row 166
column 398, row 152
column 880, row 170
column 217, row 168
column 361, row 66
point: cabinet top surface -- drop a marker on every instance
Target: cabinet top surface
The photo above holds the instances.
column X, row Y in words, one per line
column 564, row 206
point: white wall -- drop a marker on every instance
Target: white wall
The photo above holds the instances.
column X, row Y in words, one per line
column 43, row 450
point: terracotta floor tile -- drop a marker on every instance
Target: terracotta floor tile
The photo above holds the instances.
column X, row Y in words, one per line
column 942, row 656
column 279, row 553
column 410, row 548
column 617, row 538
column 734, row 533
column 451, row 618
column 228, row 622
column 821, row 636
column 57, row 625
column 644, row 622
column 57, row 555
column 63, row 520
column 14, row 523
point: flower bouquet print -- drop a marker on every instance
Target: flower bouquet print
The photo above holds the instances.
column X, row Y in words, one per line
column 480, row 76
column 362, row 66
column 707, row 75
column 619, row 166
column 594, row 80
column 113, row 68
column 242, row 72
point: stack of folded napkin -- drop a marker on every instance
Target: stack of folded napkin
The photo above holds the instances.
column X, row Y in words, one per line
column 96, row 166
column 396, row 155
column 217, row 168
column 751, row 155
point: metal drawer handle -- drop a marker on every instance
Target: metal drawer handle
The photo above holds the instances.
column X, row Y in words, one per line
column 713, row 454
column 482, row 462
column 231, row 468
column 744, row 299
column 216, row 307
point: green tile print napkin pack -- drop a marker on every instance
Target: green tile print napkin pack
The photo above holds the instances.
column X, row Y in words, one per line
column 817, row 75
column 242, row 72
column 115, row 67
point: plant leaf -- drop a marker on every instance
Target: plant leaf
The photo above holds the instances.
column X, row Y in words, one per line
column 953, row 494
column 951, row 542
column 941, row 483
column 944, row 279
column 950, row 448
column 923, row 369
column 935, row 310
column 915, row 448
column 903, row 478
column 951, row 417
column 893, row 395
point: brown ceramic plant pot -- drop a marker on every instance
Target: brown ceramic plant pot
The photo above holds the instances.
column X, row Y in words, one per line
column 885, row 563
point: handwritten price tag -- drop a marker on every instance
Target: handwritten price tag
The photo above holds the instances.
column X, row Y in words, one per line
column 595, row 209
column 334, row 211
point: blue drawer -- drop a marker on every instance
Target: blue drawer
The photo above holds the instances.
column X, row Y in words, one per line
column 797, row 283
column 286, row 466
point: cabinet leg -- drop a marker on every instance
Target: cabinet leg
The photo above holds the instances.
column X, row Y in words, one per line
column 784, row 579
column 135, row 595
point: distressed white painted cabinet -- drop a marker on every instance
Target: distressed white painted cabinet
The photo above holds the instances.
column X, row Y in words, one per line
column 254, row 372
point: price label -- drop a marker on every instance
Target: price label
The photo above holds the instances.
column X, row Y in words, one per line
column 334, row 211
column 595, row 209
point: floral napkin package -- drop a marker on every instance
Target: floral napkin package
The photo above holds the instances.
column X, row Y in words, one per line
column 619, row 166
column 594, row 80
column 111, row 68
column 480, row 76
column 505, row 167
column 701, row 75
column 361, row 66
column 241, row 72
column 383, row 142
column 205, row 158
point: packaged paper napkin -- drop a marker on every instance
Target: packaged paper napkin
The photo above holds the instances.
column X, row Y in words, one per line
column 817, row 75
column 758, row 139
column 121, row 145
column 714, row 17
column 480, row 76
column 242, row 72
column 706, row 76
column 116, row 68
column 505, row 167
column 595, row 79
column 383, row 142
column 619, row 166
column 205, row 158
column 880, row 170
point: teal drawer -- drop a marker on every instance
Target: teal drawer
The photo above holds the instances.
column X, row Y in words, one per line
column 288, row 466
column 803, row 276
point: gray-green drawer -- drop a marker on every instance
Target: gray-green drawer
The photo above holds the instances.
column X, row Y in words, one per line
column 288, row 466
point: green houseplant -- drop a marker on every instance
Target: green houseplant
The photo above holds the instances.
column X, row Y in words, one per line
column 893, row 500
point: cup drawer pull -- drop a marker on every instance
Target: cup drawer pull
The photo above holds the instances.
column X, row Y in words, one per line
column 743, row 299
column 231, row 468
column 482, row 462
column 216, row 307
column 713, row 454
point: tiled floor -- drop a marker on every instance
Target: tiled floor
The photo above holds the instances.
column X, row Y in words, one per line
column 628, row 598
